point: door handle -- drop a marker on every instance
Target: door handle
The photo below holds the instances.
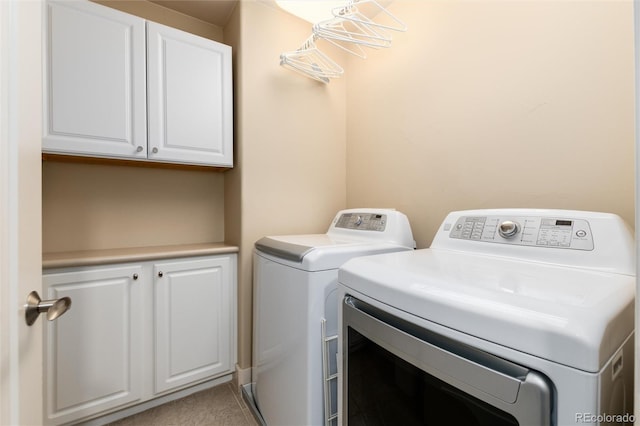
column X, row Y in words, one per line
column 54, row 308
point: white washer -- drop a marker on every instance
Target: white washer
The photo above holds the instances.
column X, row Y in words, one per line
column 295, row 282
column 512, row 316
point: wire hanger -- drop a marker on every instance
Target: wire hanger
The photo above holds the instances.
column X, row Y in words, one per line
column 326, row 32
column 350, row 29
column 350, row 35
column 310, row 61
column 354, row 13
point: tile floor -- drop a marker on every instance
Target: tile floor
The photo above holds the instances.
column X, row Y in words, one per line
column 218, row 406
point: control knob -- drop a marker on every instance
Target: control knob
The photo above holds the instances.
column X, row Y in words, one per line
column 508, row 229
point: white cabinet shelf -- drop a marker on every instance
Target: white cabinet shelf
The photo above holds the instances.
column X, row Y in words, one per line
column 110, row 76
column 137, row 331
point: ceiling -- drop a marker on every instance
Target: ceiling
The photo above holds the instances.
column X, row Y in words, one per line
column 216, row 12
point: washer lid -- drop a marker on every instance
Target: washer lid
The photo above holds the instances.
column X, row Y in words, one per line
column 318, row 252
column 294, row 247
column 571, row 316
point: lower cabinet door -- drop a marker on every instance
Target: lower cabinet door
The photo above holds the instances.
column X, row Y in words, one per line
column 93, row 350
column 193, row 324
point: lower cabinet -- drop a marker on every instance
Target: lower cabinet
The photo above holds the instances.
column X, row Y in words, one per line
column 136, row 331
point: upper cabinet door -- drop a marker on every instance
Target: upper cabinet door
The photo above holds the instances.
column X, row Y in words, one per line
column 95, row 87
column 190, row 98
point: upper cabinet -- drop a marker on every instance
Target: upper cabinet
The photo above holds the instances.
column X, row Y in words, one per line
column 119, row 86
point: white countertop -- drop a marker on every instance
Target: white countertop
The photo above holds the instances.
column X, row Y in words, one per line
column 131, row 254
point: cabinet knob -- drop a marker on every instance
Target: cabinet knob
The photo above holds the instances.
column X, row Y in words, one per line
column 154, row 150
column 160, row 274
column 139, row 148
column 135, row 277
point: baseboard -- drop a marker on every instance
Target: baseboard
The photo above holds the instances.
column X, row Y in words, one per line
column 242, row 376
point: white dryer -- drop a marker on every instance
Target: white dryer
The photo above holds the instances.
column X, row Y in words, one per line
column 512, row 316
column 295, row 303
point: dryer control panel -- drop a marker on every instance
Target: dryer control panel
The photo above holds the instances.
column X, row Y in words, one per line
column 362, row 221
column 368, row 225
column 589, row 240
column 539, row 231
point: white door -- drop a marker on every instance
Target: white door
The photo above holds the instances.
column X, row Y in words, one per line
column 20, row 210
column 190, row 98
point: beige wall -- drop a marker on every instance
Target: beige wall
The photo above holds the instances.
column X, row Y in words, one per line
column 290, row 143
column 162, row 15
column 495, row 104
column 88, row 207
column 233, row 194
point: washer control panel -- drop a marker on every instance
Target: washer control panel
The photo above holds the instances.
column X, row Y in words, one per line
column 556, row 232
column 362, row 221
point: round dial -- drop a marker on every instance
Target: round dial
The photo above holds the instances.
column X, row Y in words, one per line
column 508, row 229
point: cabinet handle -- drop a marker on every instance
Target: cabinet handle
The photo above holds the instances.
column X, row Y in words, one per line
column 139, row 148
column 135, row 277
column 154, row 150
column 160, row 274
